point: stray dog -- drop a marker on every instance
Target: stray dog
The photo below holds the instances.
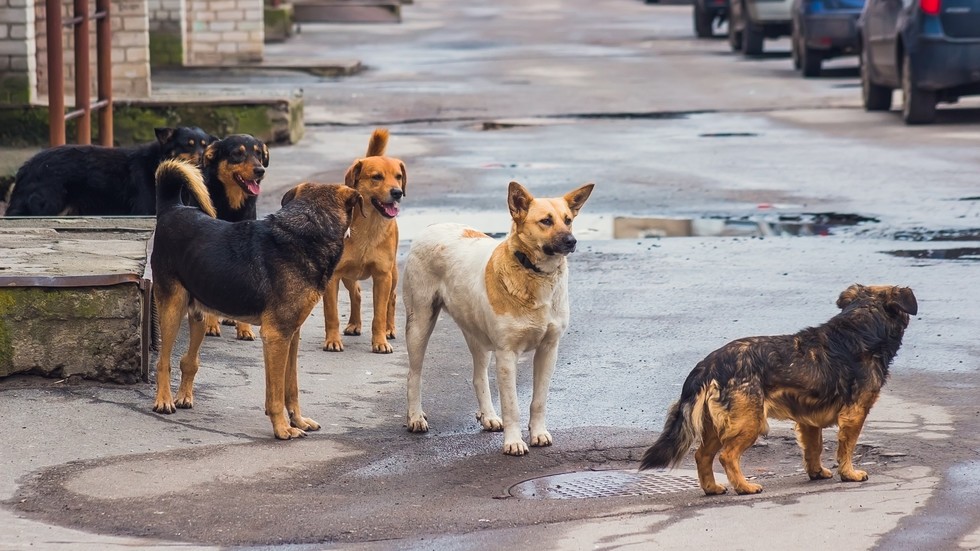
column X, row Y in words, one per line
column 91, row 180
column 821, row 376
column 370, row 250
column 507, row 297
column 282, row 263
column 233, row 170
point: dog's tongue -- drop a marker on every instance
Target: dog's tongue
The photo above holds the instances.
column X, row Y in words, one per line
column 252, row 186
column 391, row 209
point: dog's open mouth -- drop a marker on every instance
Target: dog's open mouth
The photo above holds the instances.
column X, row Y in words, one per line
column 250, row 186
column 388, row 210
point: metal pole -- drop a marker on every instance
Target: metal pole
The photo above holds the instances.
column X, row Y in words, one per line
column 83, row 82
column 103, row 37
column 56, row 74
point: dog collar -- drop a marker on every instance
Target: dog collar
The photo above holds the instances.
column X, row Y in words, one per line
column 526, row 262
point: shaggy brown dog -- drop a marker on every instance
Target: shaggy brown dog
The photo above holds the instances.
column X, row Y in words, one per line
column 370, row 250
column 821, row 376
column 282, row 264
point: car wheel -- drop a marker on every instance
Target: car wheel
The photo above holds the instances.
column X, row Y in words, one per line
column 702, row 22
column 734, row 37
column 795, row 48
column 810, row 61
column 873, row 96
column 751, row 39
column 918, row 105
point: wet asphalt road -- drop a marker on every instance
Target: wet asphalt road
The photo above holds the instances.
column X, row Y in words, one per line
column 554, row 95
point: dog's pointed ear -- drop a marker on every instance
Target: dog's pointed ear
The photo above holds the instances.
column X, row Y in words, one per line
column 353, row 174
column 209, row 153
column 164, row 134
column 265, row 155
column 352, row 199
column 404, row 178
column 577, row 198
column 904, row 300
column 849, row 295
column 290, row 195
column 518, row 201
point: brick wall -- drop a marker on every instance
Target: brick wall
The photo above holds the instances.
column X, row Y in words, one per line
column 167, row 41
column 18, row 80
column 130, row 49
column 224, row 32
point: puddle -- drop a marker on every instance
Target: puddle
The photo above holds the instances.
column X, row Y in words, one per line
column 728, row 135
column 918, row 234
column 964, row 253
column 595, row 227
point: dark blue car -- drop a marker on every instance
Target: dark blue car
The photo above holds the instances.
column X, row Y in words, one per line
column 823, row 29
column 928, row 48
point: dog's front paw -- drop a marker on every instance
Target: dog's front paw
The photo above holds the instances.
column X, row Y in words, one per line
column 287, row 432
column 853, row 475
column 226, row 321
column 304, row 423
column 714, row 489
column 823, row 474
column 515, row 448
column 381, row 347
column 748, row 488
column 417, row 422
column 333, row 345
column 352, row 329
column 391, row 333
column 184, row 402
column 165, row 406
column 490, row 422
column 541, row 439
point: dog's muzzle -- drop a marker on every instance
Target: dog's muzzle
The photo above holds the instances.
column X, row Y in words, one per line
column 563, row 244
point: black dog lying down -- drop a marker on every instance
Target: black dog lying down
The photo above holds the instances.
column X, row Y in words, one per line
column 821, row 376
column 92, row 180
column 281, row 265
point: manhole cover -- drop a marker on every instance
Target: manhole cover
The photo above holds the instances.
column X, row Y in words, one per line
column 590, row 484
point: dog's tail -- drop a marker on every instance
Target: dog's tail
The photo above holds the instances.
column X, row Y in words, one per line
column 683, row 426
column 174, row 174
column 378, row 143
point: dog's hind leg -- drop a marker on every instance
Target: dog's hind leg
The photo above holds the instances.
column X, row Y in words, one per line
column 393, row 298
column 850, row 421
column 354, row 293
column 381, row 295
column 190, row 362
column 544, row 366
column 421, row 314
column 506, row 361
column 171, row 309
column 810, row 439
column 704, row 457
column 746, row 420
column 275, row 349
column 296, row 418
column 485, row 414
column 331, row 317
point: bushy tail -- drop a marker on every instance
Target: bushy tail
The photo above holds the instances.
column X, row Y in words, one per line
column 174, row 174
column 378, row 143
column 681, row 429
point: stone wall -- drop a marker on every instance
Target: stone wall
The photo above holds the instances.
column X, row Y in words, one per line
column 18, row 79
column 224, row 32
column 167, row 43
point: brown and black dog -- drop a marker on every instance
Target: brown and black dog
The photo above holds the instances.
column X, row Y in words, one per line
column 282, row 264
column 819, row 377
column 371, row 248
column 233, row 169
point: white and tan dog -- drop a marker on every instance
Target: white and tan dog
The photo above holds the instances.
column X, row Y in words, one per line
column 507, row 297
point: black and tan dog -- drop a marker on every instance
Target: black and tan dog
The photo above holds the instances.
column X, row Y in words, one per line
column 282, row 264
column 819, row 377
column 233, row 169
column 371, row 249
column 91, row 180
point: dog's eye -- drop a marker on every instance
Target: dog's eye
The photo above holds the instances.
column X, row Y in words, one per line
column 377, row 177
column 547, row 222
column 568, row 221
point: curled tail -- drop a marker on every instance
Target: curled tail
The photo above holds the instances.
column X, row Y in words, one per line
column 681, row 429
column 378, row 143
column 174, row 174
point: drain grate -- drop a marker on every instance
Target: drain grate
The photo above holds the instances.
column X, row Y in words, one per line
column 591, row 484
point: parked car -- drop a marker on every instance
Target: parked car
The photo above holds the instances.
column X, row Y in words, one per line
column 752, row 21
column 928, row 48
column 824, row 29
column 706, row 14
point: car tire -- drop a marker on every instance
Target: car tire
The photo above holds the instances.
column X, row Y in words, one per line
column 795, row 48
column 734, row 37
column 810, row 61
column 752, row 38
column 703, row 21
column 918, row 105
column 873, row 96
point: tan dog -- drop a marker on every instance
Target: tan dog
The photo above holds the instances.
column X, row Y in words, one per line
column 370, row 249
column 507, row 297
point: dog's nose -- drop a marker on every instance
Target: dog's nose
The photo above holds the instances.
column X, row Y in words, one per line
column 258, row 171
column 568, row 242
column 396, row 193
